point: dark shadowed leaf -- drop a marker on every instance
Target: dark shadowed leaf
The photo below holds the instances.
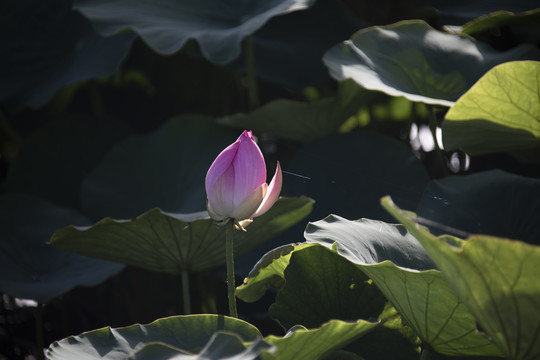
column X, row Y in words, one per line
column 164, row 169
column 500, row 19
column 466, row 204
column 496, row 278
column 288, row 49
column 458, row 12
column 345, row 175
column 54, row 160
column 165, row 25
column 46, row 46
column 413, row 60
column 174, row 243
column 32, row 269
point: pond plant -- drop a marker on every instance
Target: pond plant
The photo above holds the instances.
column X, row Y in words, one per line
column 138, row 220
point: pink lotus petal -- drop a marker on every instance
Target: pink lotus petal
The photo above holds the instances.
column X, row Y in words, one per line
column 272, row 194
column 213, row 214
column 222, row 162
column 246, row 209
column 249, row 168
column 220, row 196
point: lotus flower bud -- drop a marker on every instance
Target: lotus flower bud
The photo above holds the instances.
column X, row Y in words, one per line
column 236, row 185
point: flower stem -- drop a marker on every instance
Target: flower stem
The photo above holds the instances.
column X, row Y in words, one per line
column 229, row 246
column 185, row 293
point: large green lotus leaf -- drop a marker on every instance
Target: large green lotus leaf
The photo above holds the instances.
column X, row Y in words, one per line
column 166, row 25
column 302, row 343
column 164, row 169
column 188, row 334
column 343, row 301
column 44, row 166
column 398, row 265
column 413, row 60
column 374, row 346
column 466, row 204
column 301, row 121
column 268, row 272
column 496, row 278
column 174, row 243
column 321, row 285
column 47, row 46
column 345, row 175
column 31, row 269
column 368, row 241
column 500, row 113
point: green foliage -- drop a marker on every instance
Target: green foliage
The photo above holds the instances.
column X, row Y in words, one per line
column 218, row 26
column 499, row 113
column 311, row 278
column 501, row 19
column 298, row 121
column 174, row 243
column 105, row 143
column 495, row 278
column 209, row 336
column 176, row 335
column 413, row 60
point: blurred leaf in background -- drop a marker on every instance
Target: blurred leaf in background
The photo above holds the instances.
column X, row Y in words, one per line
column 166, row 25
column 47, row 46
column 32, row 269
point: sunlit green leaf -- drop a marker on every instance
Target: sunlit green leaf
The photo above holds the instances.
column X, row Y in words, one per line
column 268, row 272
column 374, row 346
column 173, row 243
column 496, row 278
column 201, row 337
column 500, row 113
column 321, row 285
column 302, row 343
column 398, row 265
column 413, row 60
